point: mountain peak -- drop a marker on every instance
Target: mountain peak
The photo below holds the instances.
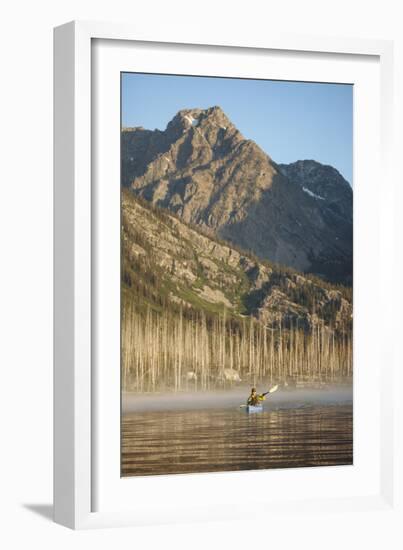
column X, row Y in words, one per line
column 217, row 115
column 312, row 169
column 203, row 169
column 324, row 183
column 196, row 117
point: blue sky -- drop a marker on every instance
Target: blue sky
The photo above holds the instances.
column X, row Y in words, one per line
column 289, row 120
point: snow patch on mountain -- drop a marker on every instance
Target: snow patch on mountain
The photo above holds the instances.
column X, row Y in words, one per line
column 193, row 121
column 313, row 194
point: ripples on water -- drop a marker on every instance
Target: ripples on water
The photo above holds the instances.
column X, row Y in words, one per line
column 211, row 440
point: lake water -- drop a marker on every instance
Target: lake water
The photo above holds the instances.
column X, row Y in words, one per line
column 292, row 432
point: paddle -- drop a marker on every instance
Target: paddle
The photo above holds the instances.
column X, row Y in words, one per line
column 271, row 390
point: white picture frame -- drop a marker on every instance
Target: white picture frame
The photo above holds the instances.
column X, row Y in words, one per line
column 79, row 430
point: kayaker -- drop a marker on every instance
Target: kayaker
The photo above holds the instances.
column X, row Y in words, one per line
column 254, row 399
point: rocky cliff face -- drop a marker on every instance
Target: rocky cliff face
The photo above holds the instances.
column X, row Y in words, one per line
column 334, row 200
column 167, row 262
column 204, row 170
column 325, row 184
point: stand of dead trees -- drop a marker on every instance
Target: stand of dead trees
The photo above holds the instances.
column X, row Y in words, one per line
column 177, row 351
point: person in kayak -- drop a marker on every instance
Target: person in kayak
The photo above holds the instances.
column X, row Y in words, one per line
column 255, row 399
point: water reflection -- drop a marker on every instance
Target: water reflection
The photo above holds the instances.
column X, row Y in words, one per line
column 211, row 440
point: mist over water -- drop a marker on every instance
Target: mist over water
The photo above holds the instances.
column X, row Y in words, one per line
column 233, row 398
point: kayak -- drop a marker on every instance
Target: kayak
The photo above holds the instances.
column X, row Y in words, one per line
column 259, row 407
column 254, row 409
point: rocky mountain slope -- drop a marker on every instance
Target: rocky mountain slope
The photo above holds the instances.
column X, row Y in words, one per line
column 204, row 170
column 324, row 183
column 167, row 264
